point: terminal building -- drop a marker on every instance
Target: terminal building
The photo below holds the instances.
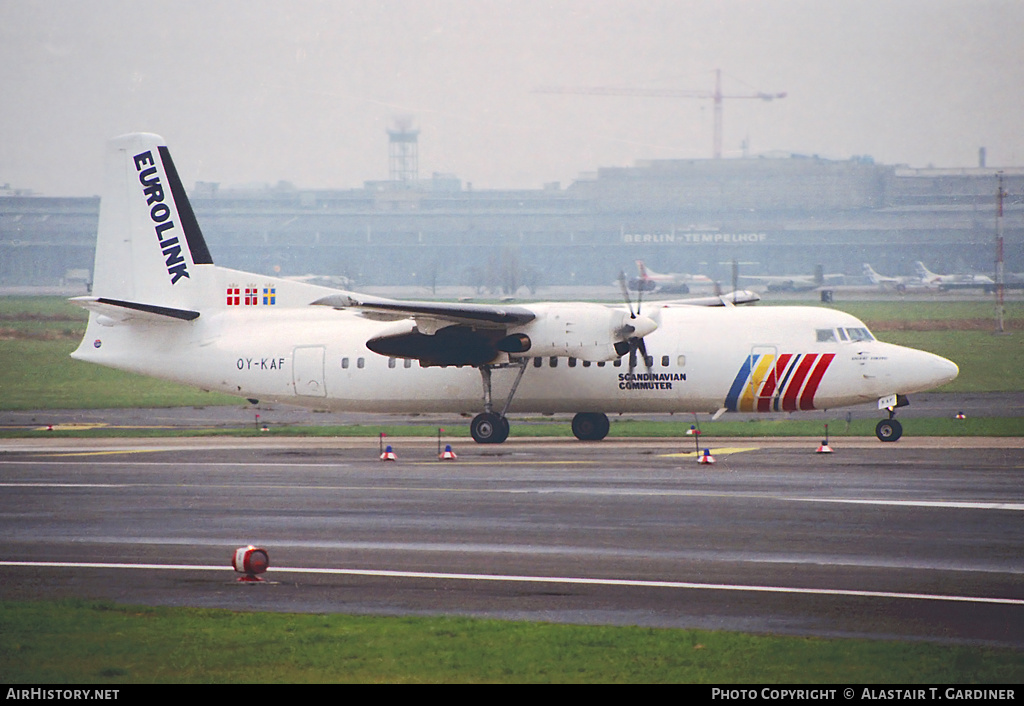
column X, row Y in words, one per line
column 774, row 216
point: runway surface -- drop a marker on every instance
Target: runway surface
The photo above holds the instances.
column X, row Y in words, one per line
column 921, row 539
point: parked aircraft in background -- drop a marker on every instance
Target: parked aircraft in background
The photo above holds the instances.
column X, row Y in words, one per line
column 161, row 307
column 900, row 284
column 957, row 281
column 796, row 283
column 673, row 282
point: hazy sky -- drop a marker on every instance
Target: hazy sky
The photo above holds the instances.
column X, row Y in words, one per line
column 304, row 91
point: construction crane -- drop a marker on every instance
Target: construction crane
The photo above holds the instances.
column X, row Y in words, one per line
column 716, row 95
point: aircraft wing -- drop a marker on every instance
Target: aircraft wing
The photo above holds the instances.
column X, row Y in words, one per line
column 737, row 298
column 383, row 309
column 477, row 334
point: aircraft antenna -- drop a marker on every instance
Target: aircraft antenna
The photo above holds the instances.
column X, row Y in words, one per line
column 716, row 96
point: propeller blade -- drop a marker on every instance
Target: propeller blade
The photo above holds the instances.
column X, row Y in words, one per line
column 643, row 351
column 639, row 298
column 625, row 293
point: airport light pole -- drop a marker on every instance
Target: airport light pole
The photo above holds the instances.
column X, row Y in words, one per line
column 1000, row 274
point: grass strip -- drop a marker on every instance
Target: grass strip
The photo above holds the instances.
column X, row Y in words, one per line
column 627, row 429
column 99, row 642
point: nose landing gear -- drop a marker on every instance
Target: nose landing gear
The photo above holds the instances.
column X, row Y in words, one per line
column 890, row 429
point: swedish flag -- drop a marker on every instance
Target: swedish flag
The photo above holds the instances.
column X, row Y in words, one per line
column 269, row 295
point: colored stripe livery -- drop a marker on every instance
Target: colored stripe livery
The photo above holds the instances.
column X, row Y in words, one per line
column 784, row 383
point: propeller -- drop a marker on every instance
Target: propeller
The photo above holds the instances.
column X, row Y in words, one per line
column 632, row 333
column 735, row 279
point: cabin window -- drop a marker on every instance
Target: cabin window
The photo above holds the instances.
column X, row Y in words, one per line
column 664, row 361
column 344, row 363
column 360, row 362
column 572, row 362
column 600, row 363
column 649, row 361
column 859, row 334
column 826, row 335
column 408, row 362
column 681, row 361
column 586, row 364
column 391, row 362
column 618, row 363
column 553, row 361
column 538, row 362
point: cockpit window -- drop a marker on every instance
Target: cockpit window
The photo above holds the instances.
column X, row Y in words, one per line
column 859, row 334
column 826, row 335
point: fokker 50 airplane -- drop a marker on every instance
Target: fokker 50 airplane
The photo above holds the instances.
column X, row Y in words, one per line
column 161, row 307
column 670, row 282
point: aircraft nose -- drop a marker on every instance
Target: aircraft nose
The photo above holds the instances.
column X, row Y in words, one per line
column 947, row 370
column 936, row 370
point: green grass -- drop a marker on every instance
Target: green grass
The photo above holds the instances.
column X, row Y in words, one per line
column 988, row 363
column 39, row 374
column 900, row 310
column 89, row 642
column 626, row 428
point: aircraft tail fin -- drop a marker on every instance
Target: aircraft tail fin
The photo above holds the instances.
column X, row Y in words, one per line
column 149, row 249
column 645, row 272
column 923, row 272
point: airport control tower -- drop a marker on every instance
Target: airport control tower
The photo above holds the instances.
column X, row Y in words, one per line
column 403, row 153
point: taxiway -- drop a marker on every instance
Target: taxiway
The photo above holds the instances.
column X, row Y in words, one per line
column 922, row 539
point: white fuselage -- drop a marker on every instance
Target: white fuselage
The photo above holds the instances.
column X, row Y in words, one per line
column 703, row 360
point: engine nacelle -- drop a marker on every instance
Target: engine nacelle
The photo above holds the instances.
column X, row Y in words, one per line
column 578, row 330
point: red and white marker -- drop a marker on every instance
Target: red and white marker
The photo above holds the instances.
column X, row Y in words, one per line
column 447, row 454
column 824, row 448
column 706, row 458
column 250, row 561
column 388, row 455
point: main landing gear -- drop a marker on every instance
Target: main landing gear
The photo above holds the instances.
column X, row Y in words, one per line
column 590, row 426
column 490, row 427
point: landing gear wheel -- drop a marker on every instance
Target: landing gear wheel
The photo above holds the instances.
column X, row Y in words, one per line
column 590, row 426
column 888, row 430
column 489, row 428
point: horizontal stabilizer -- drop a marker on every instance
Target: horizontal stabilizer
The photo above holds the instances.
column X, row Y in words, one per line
column 123, row 310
